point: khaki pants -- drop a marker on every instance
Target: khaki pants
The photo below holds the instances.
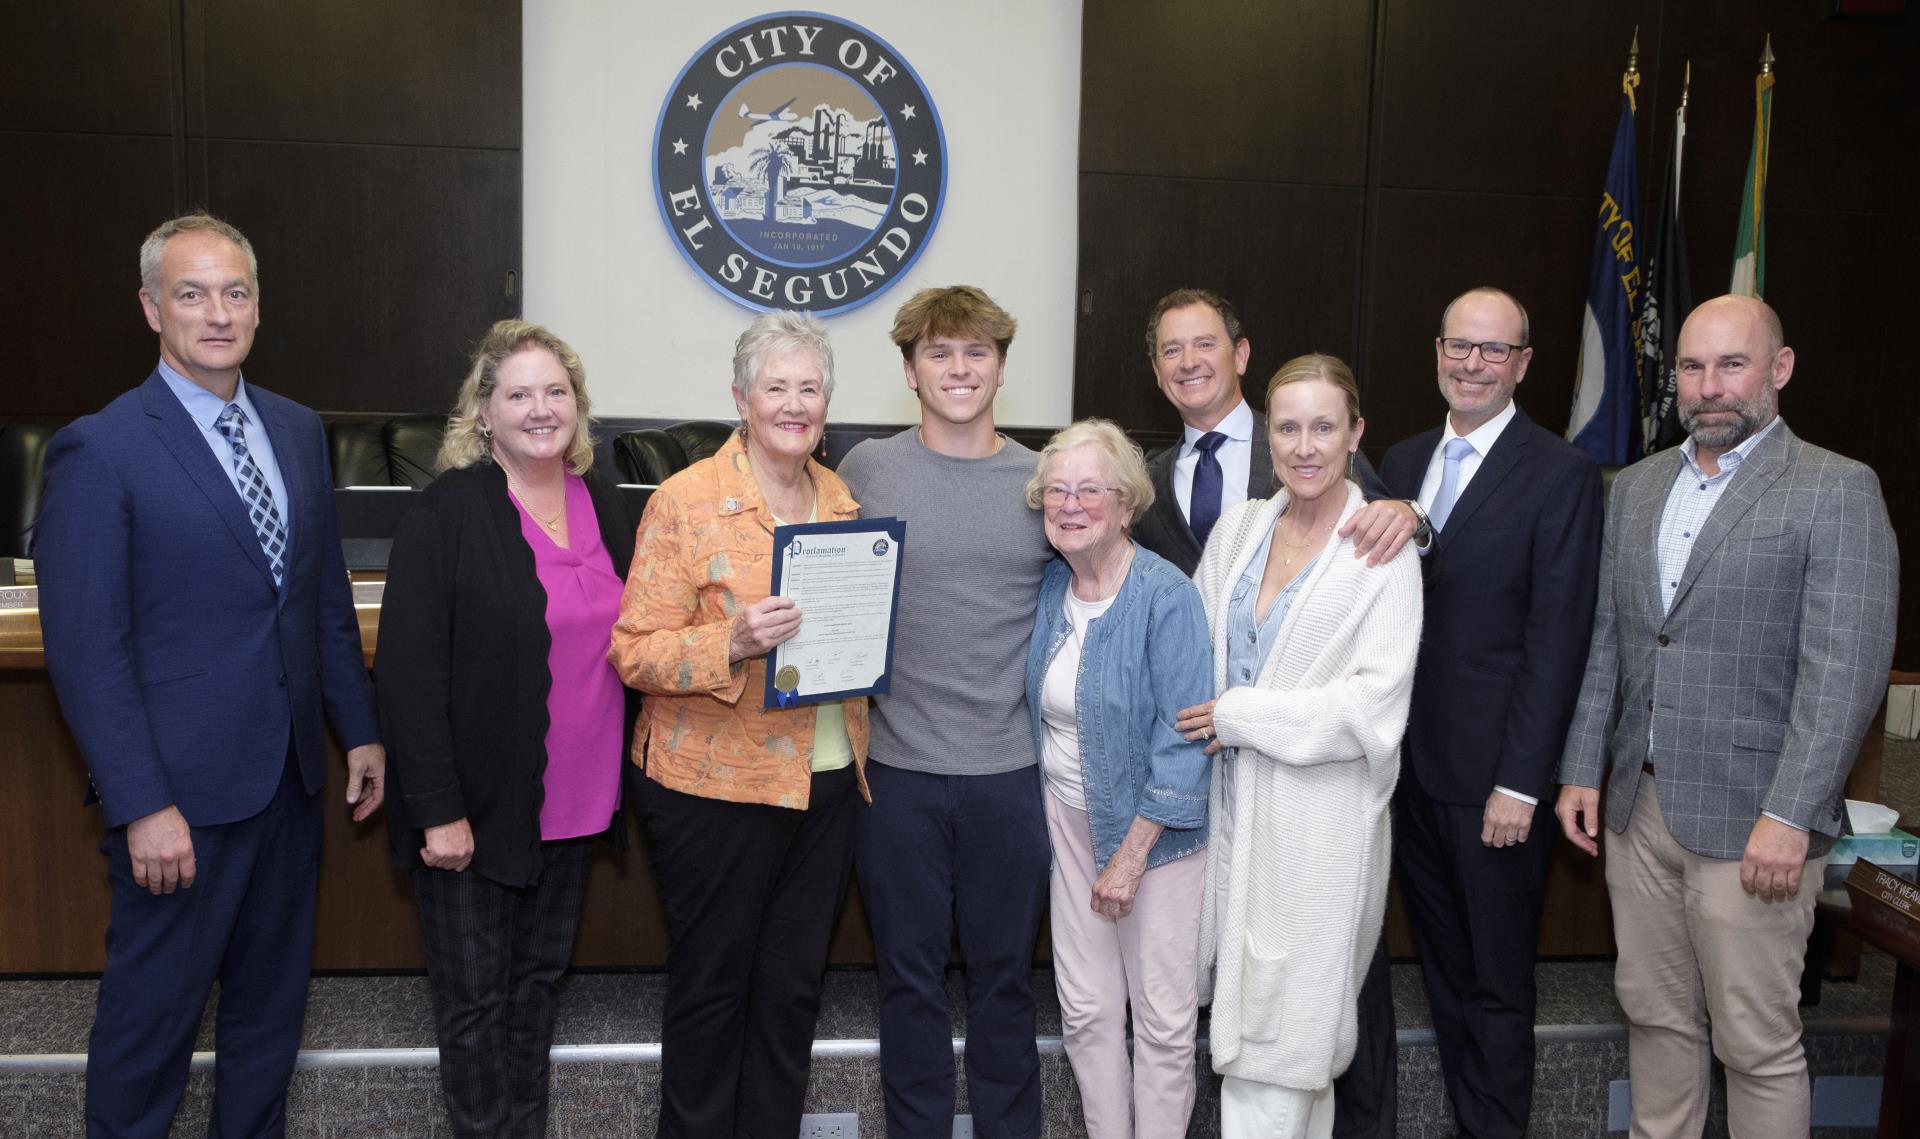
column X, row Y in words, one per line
column 1694, row 945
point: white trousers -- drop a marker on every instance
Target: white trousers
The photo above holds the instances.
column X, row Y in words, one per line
column 1268, row 1111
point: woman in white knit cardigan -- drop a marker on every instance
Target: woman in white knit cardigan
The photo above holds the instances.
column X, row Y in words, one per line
column 1313, row 662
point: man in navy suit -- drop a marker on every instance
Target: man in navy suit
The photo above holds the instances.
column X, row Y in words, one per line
column 198, row 627
column 1511, row 560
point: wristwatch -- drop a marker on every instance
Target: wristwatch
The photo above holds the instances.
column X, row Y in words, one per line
column 1423, row 533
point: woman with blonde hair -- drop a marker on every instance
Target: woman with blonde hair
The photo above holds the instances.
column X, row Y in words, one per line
column 504, row 723
column 1313, row 655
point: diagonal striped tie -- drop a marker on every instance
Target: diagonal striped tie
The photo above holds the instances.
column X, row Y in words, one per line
column 253, row 489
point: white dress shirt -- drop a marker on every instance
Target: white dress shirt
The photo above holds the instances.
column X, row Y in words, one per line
column 1235, row 456
column 1481, row 439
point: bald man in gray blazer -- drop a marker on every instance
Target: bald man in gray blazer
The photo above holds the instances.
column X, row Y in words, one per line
column 1740, row 647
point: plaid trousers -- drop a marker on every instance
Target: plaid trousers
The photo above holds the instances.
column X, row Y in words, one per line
column 495, row 955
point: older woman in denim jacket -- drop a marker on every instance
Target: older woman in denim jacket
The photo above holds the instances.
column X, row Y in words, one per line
column 1119, row 647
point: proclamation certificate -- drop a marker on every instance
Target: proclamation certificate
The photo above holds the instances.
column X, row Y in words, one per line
column 845, row 577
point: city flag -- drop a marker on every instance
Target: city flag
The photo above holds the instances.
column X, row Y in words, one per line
column 1665, row 303
column 1750, row 244
column 1606, row 392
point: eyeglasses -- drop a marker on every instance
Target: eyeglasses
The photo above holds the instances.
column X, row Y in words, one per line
column 1492, row 351
column 1085, row 495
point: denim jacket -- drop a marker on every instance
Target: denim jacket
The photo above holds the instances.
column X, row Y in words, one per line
column 1144, row 659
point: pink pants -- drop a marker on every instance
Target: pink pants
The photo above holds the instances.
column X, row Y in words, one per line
column 1149, row 958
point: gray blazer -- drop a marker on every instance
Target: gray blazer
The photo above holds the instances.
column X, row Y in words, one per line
column 1760, row 681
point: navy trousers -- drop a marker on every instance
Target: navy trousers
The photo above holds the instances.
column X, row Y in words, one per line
column 939, row 855
column 247, row 921
column 1475, row 914
column 1366, row 1097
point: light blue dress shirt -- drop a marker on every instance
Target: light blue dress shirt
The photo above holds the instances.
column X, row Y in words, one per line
column 1250, row 641
column 205, row 408
column 1689, row 502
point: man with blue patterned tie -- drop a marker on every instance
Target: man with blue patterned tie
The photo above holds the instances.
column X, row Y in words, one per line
column 1199, row 355
column 200, row 635
column 1510, row 560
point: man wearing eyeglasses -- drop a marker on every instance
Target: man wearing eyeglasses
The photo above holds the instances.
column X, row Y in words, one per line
column 1199, row 355
column 1510, row 554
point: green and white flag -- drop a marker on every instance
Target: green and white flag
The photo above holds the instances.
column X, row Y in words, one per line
column 1750, row 244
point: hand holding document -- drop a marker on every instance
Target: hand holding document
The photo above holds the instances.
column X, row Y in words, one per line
column 845, row 577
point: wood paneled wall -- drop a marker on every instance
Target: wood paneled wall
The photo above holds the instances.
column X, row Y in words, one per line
column 370, row 151
column 1341, row 170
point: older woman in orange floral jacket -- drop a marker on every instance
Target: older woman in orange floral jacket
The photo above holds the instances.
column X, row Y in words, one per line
column 750, row 811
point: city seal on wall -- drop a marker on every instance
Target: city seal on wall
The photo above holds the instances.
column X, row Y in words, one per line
column 799, row 163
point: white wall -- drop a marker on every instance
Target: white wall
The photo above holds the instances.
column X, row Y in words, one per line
column 601, row 269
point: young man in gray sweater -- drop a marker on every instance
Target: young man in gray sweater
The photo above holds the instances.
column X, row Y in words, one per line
column 955, row 841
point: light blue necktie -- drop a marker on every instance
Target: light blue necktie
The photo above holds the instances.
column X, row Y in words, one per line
column 1457, row 449
column 253, row 490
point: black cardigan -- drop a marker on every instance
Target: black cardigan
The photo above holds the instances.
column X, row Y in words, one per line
column 461, row 670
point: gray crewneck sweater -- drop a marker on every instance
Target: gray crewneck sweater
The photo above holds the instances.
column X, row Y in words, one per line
column 974, row 556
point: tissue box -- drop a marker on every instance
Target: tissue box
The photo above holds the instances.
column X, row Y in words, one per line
column 1891, row 849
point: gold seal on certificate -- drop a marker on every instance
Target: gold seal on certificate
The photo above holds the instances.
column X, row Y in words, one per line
column 844, row 577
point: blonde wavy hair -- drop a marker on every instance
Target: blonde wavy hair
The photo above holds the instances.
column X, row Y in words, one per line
column 466, row 442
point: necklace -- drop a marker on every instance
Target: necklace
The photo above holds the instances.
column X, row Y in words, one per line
column 520, row 492
column 1280, row 535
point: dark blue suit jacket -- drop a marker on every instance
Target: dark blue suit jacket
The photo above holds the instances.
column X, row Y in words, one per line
column 182, row 671
column 1510, row 587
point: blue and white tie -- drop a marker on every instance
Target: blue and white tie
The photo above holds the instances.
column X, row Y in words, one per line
column 253, row 489
column 1457, row 449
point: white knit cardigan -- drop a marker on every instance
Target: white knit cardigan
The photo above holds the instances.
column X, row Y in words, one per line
column 1297, row 886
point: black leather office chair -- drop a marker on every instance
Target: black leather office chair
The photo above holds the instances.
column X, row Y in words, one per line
column 23, row 455
column 647, row 455
column 650, row 454
column 398, row 451
column 358, row 452
column 413, row 448
column 700, row 438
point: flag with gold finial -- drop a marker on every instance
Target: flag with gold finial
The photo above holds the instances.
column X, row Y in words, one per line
column 1605, row 422
column 1750, row 244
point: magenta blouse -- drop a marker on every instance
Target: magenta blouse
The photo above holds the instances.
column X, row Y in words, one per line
column 586, row 705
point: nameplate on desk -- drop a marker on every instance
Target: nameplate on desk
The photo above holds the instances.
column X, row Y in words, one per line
column 19, row 597
column 1882, row 886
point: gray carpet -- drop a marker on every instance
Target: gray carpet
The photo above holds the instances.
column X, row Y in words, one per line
column 594, row 1099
